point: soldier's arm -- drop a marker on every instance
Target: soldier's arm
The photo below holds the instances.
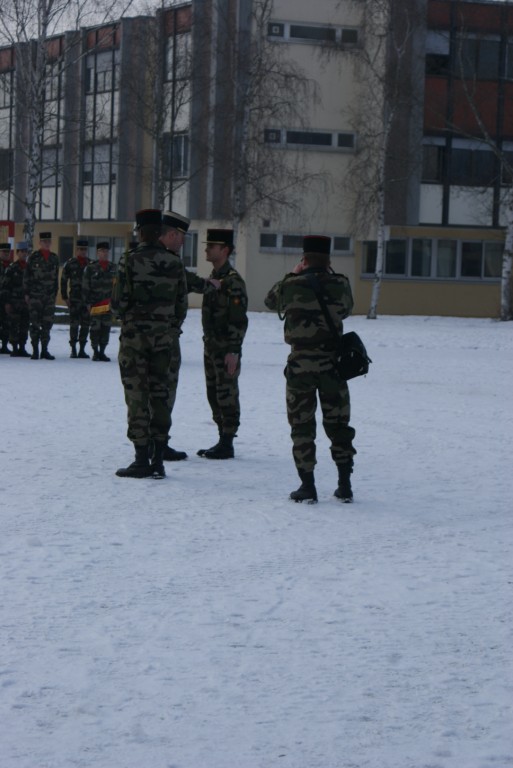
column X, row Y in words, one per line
column 85, row 286
column 182, row 303
column 120, row 288
column 64, row 282
column 237, row 312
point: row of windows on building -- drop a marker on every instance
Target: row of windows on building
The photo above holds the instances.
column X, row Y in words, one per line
column 469, row 57
column 471, row 165
column 437, row 259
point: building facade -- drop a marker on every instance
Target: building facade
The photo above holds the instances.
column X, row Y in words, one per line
column 249, row 114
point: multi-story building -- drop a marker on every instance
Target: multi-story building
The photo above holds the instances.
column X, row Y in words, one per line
column 246, row 114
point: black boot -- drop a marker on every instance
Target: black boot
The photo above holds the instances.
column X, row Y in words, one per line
column 35, row 350
column 96, row 354
column 45, row 354
column 22, row 352
column 223, row 450
column 73, row 345
column 202, row 451
column 140, row 467
column 102, row 356
column 306, row 491
column 81, row 352
column 344, row 491
column 157, row 460
column 4, row 350
column 171, row 455
column 15, row 351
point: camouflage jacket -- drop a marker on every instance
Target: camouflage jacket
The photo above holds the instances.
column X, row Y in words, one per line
column 305, row 324
column 97, row 282
column 4, row 266
column 71, row 277
column 150, row 285
column 41, row 276
column 12, row 285
column 224, row 313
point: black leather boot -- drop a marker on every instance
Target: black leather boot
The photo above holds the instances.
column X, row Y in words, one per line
column 35, row 350
column 157, row 460
column 170, row 454
column 102, row 356
column 202, row 451
column 22, row 352
column 15, row 351
column 73, row 345
column 344, row 492
column 45, row 354
column 81, row 352
column 96, row 354
column 140, row 467
column 223, row 450
column 4, row 349
column 307, row 490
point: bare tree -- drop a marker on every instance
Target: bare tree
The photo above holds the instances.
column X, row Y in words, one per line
column 34, row 28
column 383, row 69
column 255, row 90
column 481, row 129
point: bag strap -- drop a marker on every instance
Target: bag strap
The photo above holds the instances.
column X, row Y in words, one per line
column 317, row 289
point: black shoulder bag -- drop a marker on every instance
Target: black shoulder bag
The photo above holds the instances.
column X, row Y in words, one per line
column 352, row 357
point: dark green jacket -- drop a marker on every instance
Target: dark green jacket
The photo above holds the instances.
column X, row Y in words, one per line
column 97, row 282
column 224, row 312
column 71, row 280
column 41, row 276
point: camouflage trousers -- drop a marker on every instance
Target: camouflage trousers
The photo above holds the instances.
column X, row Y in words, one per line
column 100, row 330
column 5, row 322
column 222, row 392
column 79, row 322
column 308, row 376
column 145, row 354
column 174, row 371
column 41, row 314
column 19, row 323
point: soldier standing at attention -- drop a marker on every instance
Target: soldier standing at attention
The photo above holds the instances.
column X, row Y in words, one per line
column 71, row 291
column 311, row 365
column 13, row 298
column 40, row 283
column 5, row 262
column 224, row 316
column 97, row 284
column 148, row 298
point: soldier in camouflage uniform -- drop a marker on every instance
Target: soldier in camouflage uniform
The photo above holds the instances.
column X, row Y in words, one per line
column 174, row 229
column 40, row 282
column 71, row 291
column 225, row 321
column 97, row 284
column 13, row 299
column 150, row 298
column 5, row 261
column 311, row 366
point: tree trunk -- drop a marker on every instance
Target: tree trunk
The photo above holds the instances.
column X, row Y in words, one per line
column 507, row 261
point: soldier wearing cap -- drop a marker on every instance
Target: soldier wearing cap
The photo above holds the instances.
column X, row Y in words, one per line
column 311, row 365
column 224, row 317
column 97, row 284
column 13, row 298
column 71, row 291
column 149, row 297
column 41, row 281
column 5, row 261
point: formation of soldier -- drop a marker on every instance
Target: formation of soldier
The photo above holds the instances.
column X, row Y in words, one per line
column 28, row 291
column 148, row 293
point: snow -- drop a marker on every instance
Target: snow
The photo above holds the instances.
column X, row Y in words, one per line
column 206, row 621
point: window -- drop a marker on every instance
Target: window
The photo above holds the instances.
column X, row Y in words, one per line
column 6, row 168
column 395, row 258
column 370, row 254
column 471, row 167
column 293, row 242
column 190, row 250
column 5, row 89
column 180, row 158
column 446, row 258
column 312, row 33
column 100, row 164
column 316, row 139
column 493, row 253
column 437, row 64
column 52, row 81
column 432, row 162
column 477, row 58
column 102, row 72
column 421, row 257
column 471, row 257
column 50, row 176
column 178, row 57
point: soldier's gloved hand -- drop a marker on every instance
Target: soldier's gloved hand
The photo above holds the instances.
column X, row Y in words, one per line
column 231, row 360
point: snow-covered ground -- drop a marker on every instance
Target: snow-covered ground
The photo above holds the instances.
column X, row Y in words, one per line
column 205, row 621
